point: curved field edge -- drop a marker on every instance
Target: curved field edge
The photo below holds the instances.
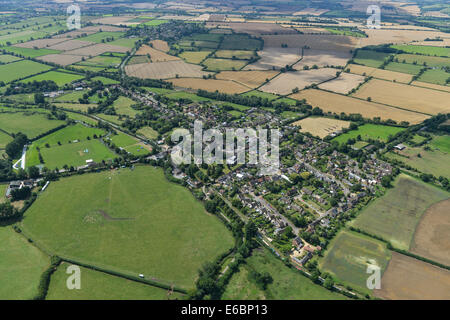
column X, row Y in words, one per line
column 128, row 221
column 396, row 215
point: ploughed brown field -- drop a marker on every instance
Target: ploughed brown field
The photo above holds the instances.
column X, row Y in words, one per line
column 406, row 278
column 432, row 236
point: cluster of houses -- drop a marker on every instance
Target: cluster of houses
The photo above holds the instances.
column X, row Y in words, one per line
column 17, row 185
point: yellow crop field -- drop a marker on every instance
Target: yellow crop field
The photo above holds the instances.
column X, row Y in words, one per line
column 336, row 103
column 379, row 73
column 224, row 86
column 155, row 55
column 321, row 127
column 408, row 97
column 250, row 79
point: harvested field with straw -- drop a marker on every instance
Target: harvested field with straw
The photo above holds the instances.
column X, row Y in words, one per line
column 321, row 127
column 404, row 96
column 336, row 103
column 250, row 79
column 164, row 70
column 322, row 58
column 275, row 57
column 343, row 84
column 379, row 73
column 160, row 45
column 155, row 55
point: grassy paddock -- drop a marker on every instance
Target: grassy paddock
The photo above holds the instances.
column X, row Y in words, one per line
column 129, row 220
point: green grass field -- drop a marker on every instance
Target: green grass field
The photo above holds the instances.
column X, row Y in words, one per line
column 101, row 286
column 73, row 154
column 148, row 132
column 125, row 42
column 100, row 37
column 403, row 68
column 123, row 106
column 105, row 81
column 80, row 117
column 395, row 215
column 60, row 78
column 348, row 256
column 30, row 53
column 6, row 58
column 420, row 60
column 164, row 232
column 4, row 139
column 436, row 76
column 288, row 284
column 441, row 142
column 155, row 22
column 111, row 118
column 130, row 144
column 194, row 56
column 20, row 69
column 71, row 96
column 369, row 131
column 29, row 123
column 21, row 266
column 260, row 94
column 426, row 50
column 223, row 64
column 429, row 161
column 3, row 188
column 370, row 58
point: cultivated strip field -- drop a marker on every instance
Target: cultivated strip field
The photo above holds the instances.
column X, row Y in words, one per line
column 212, row 85
column 404, row 96
column 286, row 82
column 335, row 103
column 321, row 127
column 164, row 70
column 343, row 84
column 412, row 279
column 379, row 73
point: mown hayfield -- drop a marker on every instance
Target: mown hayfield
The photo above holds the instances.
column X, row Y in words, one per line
column 431, row 86
column 336, row 103
column 20, row 69
column 133, row 221
column 155, row 55
column 123, row 106
column 6, row 58
column 435, row 76
column 224, row 86
column 426, row 50
column 403, row 68
column 323, row 58
column 421, row 60
column 395, row 216
column 60, row 78
column 348, row 256
column 4, row 139
column 29, row 123
column 321, row 127
column 250, row 79
column 407, row 278
column 97, row 285
column 213, row 64
column 288, row 284
column 164, row 70
column 21, row 266
column 404, row 96
column 160, row 45
column 370, row 58
column 286, row 82
column 194, row 56
column 148, row 132
column 379, row 73
column 369, row 131
column 343, row 84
